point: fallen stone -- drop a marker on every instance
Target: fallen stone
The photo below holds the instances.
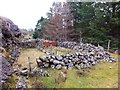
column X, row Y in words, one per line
column 21, row 84
column 59, row 66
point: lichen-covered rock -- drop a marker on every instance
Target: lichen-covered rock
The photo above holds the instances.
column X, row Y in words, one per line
column 9, row 46
column 7, row 25
column 6, row 69
column 10, row 32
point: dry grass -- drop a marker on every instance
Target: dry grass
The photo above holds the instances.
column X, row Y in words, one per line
column 32, row 53
column 58, row 50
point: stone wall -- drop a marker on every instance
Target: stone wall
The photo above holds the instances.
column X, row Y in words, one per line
column 29, row 44
column 87, row 55
column 9, row 46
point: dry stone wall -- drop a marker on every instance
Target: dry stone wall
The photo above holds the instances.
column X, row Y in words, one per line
column 9, row 37
column 87, row 56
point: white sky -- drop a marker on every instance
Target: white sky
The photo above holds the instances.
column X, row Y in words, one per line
column 25, row 13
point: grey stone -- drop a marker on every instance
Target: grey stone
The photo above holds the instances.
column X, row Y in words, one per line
column 93, row 63
column 59, row 66
column 53, row 57
column 45, row 73
column 59, row 57
column 64, row 67
column 70, row 58
column 7, row 69
column 9, row 32
column 62, row 63
column 21, row 84
column 66, row 60
column 70, row 67
column 51, row 60
column 46, row 65
column 78, row 67
column 52, row 66
column 24, row 72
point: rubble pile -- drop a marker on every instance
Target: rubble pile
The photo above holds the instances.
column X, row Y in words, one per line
column 87, row 56
column 29, row 44
column 34, row 72
column 9, row 38
column 68, row 44
column 14, row 55
column 21, row 84
column 10, row 33
column 6, row 70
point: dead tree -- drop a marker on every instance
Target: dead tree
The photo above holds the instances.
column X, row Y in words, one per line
column 60, row 23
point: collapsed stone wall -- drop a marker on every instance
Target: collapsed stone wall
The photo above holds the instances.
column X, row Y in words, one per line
column 87, row 56
column 9, row 46
column 29, row 44
column 10, row 33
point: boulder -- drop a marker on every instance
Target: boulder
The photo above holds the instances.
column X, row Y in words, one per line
column 10, row 32
column 7, row 69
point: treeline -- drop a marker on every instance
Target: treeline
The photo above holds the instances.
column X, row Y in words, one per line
column 87, row 22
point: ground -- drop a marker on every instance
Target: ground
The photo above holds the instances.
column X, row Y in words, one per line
column 103, row 75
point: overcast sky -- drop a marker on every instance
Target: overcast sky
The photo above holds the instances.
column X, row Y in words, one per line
column 25, row 13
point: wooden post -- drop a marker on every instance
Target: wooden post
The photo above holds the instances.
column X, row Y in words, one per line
column 56, row 51
column 29, row 64
column 98, row 45
column 51, row 49
column 80, row 36
column 108, row 45
column 81, row 40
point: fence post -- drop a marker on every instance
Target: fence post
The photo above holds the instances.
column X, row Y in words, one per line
column 29, row 64
column 108, row 45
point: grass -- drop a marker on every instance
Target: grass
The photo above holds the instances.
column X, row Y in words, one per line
column 58, row 50
column 32, row 53
column 102, row 75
